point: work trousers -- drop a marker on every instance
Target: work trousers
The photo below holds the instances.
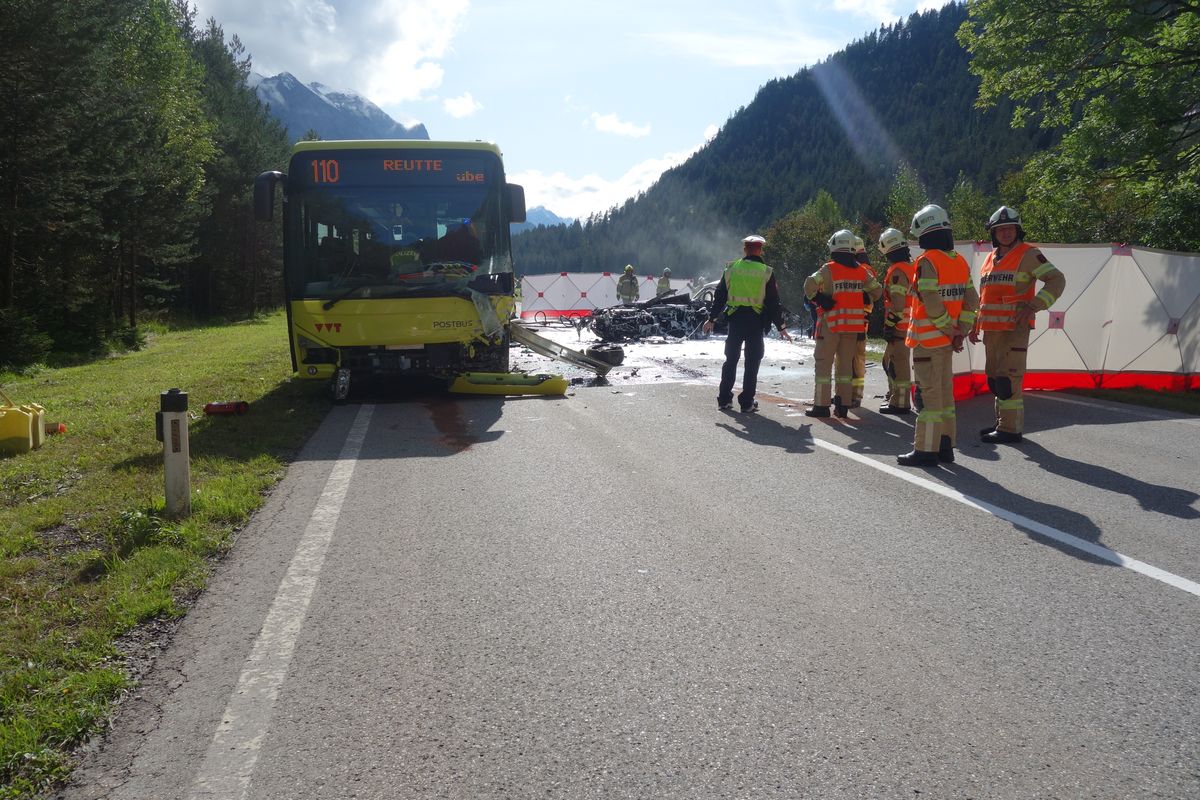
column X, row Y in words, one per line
column 935, row 381
column 859, row 381
column 897, row 364
column 834, row 354
column 745, row 329
column 1005, row 354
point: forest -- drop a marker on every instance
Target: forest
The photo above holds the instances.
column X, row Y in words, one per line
column 130, row 142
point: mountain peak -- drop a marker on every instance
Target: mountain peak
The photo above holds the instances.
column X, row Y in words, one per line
column 332, row 113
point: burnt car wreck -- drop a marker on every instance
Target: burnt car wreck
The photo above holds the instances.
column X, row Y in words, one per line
column 675, row 315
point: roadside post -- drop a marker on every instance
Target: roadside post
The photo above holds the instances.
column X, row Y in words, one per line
column 171, row 428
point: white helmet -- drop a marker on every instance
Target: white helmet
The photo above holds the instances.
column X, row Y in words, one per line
column 1004, row 215
column 754, row 239
column 842, row 242
column 891, row 239
column 666, row 270
column 859, row 245
column 929, row 218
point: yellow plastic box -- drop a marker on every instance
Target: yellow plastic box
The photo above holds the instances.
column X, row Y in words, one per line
column 16, row 430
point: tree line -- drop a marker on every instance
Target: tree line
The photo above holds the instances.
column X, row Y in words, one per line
column 127, row 150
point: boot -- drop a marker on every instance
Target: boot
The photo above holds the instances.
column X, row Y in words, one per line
column 1001, row 437
column 817, row 411
column 888, row 408
column 983, row 432
column 918, row 458
column 841, row 411
column 946, row 451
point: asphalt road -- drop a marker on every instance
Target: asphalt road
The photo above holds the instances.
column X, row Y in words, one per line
column 628, row 594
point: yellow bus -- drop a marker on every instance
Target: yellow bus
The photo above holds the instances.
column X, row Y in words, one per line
column 397, row 258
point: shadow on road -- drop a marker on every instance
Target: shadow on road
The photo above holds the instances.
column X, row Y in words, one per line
column 763, row 430
column 885, row 437
column 974, row 485
column 1150, row 496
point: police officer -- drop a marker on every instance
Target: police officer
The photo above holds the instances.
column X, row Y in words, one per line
column 944, row 303
column 748, row 298
column 627, row 287
column 1007, row 307
column 897, row 358
column 664, row 283
column 839, row 288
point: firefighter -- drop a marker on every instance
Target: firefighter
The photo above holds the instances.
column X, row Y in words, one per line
column 838, row 288
column 748, row 298
column 897, row 358
column 627, row 287
column 1007, row 308
column 943, row 305
column 664, row 283
column 860, row 349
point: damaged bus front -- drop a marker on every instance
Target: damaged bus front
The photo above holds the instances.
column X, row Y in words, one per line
column 397, row 258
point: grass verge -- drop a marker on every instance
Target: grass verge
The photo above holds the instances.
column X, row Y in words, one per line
column 86, row 553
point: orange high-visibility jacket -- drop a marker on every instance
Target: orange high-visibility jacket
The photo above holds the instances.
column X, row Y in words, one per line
column 998, row 296
column 953, row 281
column 849, row 283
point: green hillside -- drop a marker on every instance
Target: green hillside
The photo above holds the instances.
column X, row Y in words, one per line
column 902, row 94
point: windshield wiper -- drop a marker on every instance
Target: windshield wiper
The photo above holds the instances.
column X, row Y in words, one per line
column 331, row 302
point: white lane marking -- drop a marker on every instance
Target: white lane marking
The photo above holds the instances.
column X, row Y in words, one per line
column 232, row 754
column 1091, row 548
column 1119, row 408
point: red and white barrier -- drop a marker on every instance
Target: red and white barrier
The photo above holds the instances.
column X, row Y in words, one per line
column 1130, row 317
column 575, row 294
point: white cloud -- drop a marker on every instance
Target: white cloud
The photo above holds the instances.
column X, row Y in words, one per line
column 463, row 106
column 610, row 123
column 581, row 197
column 879, row 10
column 387, row 50
column 931, row 5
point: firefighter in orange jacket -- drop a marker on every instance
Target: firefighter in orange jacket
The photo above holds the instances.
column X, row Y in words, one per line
column 838, row 289
column 897, row 358
column 944, row 303
column 1007, row 307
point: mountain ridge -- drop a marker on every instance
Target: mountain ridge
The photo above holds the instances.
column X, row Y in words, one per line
column 331, row 113
column 901, row 95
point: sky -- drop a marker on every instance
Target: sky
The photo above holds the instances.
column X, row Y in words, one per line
column 590, row 102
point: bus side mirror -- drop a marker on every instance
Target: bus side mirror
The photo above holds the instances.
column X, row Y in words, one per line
column 516, row 203
column 264, row 194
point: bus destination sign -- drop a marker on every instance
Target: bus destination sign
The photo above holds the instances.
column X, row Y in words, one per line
column 373, row 168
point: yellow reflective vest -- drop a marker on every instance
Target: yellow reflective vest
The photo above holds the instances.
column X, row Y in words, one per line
column 747, row 284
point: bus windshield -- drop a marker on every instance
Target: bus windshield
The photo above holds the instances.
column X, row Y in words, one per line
column 386, row 235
